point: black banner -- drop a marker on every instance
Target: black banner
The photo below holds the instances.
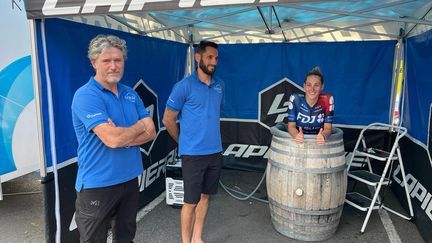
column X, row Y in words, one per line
column 418, row 171
column 245, row 145
column 153, row 179
column 67, row 176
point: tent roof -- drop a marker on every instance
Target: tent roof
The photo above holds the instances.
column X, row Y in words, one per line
column 239, row 21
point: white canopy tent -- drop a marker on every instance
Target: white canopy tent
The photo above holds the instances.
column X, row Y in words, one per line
column 246, row 21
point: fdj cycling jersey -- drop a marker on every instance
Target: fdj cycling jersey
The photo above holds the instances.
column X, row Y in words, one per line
column 311, row 119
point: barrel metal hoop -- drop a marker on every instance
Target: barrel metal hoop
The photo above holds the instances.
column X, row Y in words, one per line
column 298, row 235
column 334, row 145
column 308, row 170
column 281, row 130
column 306, row 212
column 282, row 218
column 308, row 156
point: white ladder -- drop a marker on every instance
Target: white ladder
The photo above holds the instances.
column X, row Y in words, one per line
column 363, row 202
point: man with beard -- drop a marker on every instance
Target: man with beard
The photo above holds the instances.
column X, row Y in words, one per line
column 110, row 123
column 196, row 100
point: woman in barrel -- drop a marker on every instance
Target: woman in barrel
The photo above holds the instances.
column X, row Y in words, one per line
column 311, row 113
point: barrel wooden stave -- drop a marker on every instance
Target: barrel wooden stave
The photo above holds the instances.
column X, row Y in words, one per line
column 316, row 172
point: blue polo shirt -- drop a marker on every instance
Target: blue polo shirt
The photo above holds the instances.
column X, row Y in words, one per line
column 99, row 165
column 199, row 108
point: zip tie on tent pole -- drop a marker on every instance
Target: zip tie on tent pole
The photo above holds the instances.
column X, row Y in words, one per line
column 51, row 135
column 230, row 190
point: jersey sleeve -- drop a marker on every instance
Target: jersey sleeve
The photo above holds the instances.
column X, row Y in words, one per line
column 90, row 109
column 292, row 110
column 328, row 102
column 177, row 97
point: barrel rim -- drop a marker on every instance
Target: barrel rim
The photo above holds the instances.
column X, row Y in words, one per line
column 281, row 130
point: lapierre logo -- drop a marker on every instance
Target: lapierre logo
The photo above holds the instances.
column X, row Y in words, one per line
column 416, row 190
column 247, row 151
column 274, row 101
column 156, row 170
column 150, row 99
column 56, row 7
column 278, row 107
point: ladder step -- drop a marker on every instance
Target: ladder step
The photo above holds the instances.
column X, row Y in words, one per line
column 359, row 201
column 362, row 153
column 377, row 154
column 367, row 177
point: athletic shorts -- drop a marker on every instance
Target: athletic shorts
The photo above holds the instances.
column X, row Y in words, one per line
column 201, row 174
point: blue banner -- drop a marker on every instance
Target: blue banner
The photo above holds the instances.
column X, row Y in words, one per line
column 358, row 74
column 361, row 85
column 154, row 63
column 418, row 96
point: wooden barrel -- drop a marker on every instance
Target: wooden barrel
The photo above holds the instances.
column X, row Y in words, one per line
column 306, row 185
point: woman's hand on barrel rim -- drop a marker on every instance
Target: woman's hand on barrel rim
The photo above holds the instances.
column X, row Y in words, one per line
column 320, row 138
column 299, row 137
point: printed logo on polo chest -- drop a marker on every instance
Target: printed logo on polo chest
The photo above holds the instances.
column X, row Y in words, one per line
column 130, row 97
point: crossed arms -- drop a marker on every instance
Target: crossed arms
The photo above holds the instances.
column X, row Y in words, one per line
column 117, row 137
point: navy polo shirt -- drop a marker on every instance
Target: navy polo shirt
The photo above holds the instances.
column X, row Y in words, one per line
column 199, row 108
column 99, row 165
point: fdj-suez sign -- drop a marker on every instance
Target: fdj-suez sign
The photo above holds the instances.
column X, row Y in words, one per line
column 274, row 101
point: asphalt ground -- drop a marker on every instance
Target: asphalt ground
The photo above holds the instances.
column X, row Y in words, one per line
column 21, row 210
column 229, row 220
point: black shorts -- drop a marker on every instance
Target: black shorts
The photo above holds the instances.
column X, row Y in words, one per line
column 201, row 174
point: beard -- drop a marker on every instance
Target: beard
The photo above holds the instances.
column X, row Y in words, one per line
column 204, row 68
column 114, row 78
column 113, row 81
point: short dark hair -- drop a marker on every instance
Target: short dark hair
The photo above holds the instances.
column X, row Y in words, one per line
column 315, row 71
column 203, row 45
